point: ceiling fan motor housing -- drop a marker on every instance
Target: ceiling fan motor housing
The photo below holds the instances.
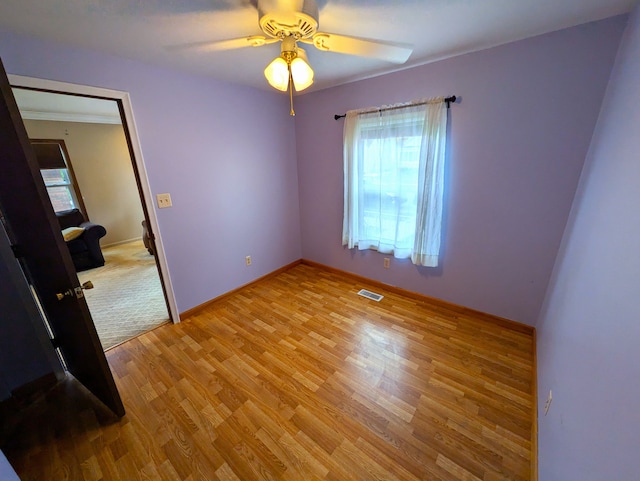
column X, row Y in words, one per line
column 279, row 23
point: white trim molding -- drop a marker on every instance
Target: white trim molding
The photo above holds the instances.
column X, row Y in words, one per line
column 124, row 99
column 68, row 117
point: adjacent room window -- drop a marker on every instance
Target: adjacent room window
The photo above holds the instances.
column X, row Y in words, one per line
column 60, row 189
column 58, row 176
column 393, row 180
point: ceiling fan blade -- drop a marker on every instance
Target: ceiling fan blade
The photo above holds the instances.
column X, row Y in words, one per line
column 391, row 52
column 216, row 45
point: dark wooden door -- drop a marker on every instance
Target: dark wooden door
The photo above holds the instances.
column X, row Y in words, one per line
column 38, row 243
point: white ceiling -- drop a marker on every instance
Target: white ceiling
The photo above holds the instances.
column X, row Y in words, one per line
column 145, row 30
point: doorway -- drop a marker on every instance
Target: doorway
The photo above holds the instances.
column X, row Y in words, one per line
column 142, row 271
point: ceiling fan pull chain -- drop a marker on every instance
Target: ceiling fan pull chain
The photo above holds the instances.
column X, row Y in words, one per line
column 291, row 112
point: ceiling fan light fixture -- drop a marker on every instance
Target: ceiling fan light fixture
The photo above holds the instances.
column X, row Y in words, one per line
column 301, row 71
column 277, row 74
column 290, row 62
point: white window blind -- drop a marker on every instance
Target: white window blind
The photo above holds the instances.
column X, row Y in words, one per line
column 60, row 189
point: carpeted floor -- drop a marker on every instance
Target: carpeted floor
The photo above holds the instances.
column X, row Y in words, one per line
column 127, row 297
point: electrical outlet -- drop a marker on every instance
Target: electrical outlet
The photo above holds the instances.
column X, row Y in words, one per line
column 387, row 262
column 547, row 403
column 247, row 260
column 164, row 201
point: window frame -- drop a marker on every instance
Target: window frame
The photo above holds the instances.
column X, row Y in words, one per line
column 73, row 186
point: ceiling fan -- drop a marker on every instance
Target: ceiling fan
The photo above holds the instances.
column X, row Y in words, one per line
column 296, row 21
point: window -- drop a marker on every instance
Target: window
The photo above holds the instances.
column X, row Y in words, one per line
column 60, row 189
column 57, row 174
column 393, row 172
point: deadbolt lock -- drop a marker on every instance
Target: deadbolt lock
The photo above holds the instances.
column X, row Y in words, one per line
column 62, row 295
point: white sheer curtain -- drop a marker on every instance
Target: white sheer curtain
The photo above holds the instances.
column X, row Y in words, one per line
column 393, row 180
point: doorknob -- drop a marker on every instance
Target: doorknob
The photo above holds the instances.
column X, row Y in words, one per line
column 76, row 290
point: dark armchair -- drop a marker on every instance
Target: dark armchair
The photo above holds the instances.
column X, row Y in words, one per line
column 85, row 249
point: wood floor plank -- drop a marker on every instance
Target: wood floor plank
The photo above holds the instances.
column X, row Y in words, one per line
column 297, row 377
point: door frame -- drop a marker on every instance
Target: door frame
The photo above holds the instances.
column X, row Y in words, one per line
column 137, row 158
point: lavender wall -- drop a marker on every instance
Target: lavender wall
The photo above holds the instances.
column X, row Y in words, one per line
column 588, row 330
column 6, row 471
column 519, row 137
column 225, row 153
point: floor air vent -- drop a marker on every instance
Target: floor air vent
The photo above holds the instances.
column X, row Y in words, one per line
column 370, row 295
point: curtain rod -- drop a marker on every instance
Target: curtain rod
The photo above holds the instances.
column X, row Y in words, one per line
column 448, row 100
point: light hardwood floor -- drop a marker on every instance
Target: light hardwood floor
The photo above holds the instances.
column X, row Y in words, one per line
column 299, row 378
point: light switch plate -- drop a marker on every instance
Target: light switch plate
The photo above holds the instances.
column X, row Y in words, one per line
column 164, row 201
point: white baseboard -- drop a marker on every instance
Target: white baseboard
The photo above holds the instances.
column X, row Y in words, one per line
column 121, row 242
